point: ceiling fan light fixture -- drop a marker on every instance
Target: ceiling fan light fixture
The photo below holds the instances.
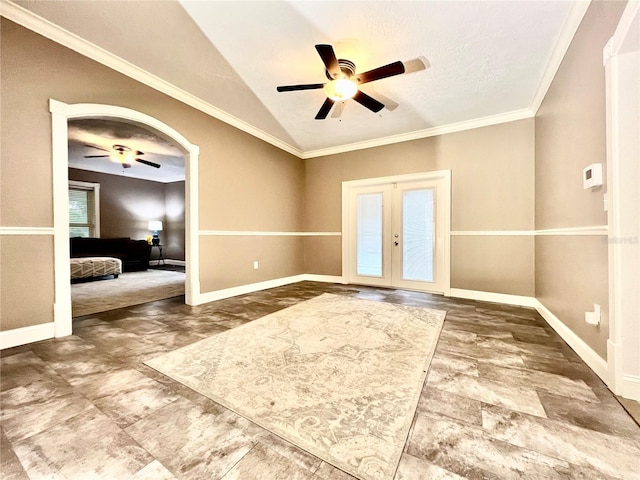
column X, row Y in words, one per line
column 121, row 157
column 341, row 89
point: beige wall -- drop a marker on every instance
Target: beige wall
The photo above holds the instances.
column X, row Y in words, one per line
column 244, row 184
column 127, row 204
column 277, row 257
column 571, row 271
column 492, row 189
column 173, row 237
column 26, row 280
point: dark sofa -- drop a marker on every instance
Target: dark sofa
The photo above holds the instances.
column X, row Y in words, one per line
column 134, row 254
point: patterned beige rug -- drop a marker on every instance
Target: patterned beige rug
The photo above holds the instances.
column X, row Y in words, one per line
column 130, row 288
column 337, row 376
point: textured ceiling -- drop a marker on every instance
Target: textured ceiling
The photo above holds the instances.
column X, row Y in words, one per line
column 486, row 59
column 90, row 137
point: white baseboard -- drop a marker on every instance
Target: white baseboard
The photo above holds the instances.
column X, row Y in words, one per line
column 278, row 282
column 310, row 277
column 630, row 387
column 627, row 386
column 244, row 289
column 585, row 352
column 24, row 335
column 503, row 298
column 169, row 261
column 255, row 287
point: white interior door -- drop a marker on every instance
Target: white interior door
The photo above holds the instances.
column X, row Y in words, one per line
column 398, row 232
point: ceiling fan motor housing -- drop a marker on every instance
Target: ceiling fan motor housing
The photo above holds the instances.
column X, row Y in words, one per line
column 347, row 66
column 121, row 149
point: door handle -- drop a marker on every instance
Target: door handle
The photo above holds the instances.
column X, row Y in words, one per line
column 396, row 243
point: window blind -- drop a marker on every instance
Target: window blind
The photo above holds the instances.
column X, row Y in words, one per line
column 81, row 208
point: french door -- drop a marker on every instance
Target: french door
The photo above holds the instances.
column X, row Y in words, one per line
column 397, row 231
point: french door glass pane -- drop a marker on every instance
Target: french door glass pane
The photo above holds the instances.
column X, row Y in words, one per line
column 369, row 235
column 417, row 235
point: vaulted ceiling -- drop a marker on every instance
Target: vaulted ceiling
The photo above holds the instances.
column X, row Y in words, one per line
column 487, row 61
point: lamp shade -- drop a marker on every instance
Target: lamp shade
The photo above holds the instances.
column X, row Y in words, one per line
column 155, row 225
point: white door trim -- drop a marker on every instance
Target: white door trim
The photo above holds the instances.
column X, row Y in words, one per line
column 622, row 63
column 60, row 115
column 436, row 175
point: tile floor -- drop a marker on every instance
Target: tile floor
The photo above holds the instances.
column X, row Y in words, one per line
column 505, row 398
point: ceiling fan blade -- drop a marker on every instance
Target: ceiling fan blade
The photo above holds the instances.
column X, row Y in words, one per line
column 338, row 110
column 97, row 148
column 329, row 59
column 324, row 109
column 126, row 165
column 147, row 162
column 415, row 65
column 395, row 68
column 367, row 101
column 388, row 103
column 97, row 156
column 291, row 88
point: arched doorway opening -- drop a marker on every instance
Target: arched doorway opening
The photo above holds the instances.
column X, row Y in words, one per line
column 61, row 113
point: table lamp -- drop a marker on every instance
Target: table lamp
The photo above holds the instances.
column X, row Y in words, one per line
column 155, row 226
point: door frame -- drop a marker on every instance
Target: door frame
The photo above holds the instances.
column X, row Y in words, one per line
column 347, row 186
column 621, row 61
column 61, row 113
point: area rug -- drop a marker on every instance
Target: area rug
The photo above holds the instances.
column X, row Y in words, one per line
column 130, row 288
column 338, row 376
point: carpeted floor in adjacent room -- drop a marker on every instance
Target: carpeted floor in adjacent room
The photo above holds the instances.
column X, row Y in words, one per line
column 130, row 288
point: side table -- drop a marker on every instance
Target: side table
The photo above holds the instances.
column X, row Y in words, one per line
column 160, row 254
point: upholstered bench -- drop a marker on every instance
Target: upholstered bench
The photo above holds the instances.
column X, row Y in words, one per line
column 88, row 267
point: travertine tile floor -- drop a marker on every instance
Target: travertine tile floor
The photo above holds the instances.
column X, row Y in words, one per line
column 505, row 398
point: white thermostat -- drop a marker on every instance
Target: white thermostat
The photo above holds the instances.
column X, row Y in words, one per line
column 592, row 176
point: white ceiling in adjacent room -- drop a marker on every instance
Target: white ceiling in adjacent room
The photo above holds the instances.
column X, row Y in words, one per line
column 91, row 147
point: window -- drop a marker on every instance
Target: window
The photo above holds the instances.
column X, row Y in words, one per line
column 84, row 209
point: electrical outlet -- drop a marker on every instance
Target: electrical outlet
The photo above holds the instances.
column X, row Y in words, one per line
column 593, row 318
column 255, row 265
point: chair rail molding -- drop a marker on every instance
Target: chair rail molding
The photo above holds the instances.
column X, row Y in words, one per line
column 26, row 230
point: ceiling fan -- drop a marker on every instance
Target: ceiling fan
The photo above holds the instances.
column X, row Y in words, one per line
column 344, row 82
column 123, row 155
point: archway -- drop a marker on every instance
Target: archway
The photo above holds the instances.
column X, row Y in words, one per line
column 61, row 113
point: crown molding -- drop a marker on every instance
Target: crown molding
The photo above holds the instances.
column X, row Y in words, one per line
column 53, row 32
column 567, row 32
column 429, row 132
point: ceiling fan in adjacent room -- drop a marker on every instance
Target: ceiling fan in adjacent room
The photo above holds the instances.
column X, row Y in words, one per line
column 123, row 155
column 344, row 82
